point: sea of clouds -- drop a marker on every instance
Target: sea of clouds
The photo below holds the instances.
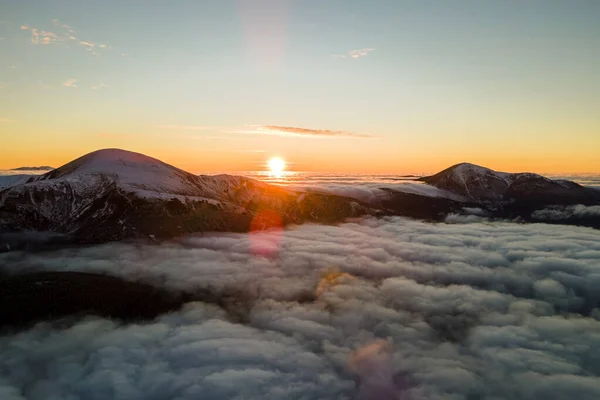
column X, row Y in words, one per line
column 372, row 309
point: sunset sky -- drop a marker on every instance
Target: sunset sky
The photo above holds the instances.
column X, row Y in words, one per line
column 336, row 85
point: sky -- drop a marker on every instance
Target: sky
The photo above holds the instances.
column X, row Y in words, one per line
column 390, row 86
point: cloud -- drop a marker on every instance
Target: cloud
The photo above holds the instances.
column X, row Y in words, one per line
column 71, row 83
column 40, row 36
column 294, row 131
column 65, row 26
column 370, row 189
column 386, row 308
column 562, row 213
column 98, row 86
column 6, row 120
column 358, row 53
column 65, row 34
column 87, row 44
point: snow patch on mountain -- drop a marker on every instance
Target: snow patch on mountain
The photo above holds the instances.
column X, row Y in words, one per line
column 131, row 171
column 7, row 181
column 466, row 171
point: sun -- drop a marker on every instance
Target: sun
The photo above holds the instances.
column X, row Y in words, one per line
column 276, row 165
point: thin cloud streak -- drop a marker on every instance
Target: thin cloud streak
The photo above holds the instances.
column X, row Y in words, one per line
column 358, row 53
column 6, row 120
column 67, row 34
column 296, row 131
column 41, row 37
column 71, row 83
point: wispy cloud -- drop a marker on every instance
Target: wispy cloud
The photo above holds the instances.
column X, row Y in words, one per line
column 64, row 26
column 40, row 36
column 6, row 120
column 295, row 131
column 66, row 34
column 358, row 53
column 98, row 86
column 187, row 127
column 87, row 44
column 71, row 83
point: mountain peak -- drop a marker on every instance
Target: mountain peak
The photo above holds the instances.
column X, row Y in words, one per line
column 110, row 162
column 131, row 171
column 105, row 157
column 469, row 168
column 480, row 183
column 472, row 181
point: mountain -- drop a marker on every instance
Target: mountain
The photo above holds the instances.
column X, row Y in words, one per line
column 7, row 181
column 525, row 197
column 476, row 183
column 115, row 194
column 42, row 168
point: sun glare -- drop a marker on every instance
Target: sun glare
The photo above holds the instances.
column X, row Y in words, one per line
column 276, row 165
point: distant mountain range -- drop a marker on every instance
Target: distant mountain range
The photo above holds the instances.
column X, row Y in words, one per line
column 113, row 194
column 42, row 168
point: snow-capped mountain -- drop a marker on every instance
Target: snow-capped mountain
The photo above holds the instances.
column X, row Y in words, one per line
column 114, row 194
column 132, row 172
column 478, row 183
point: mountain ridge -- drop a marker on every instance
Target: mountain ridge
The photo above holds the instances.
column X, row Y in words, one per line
column 40, row 168
column 483, row 184
column 113, row 194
